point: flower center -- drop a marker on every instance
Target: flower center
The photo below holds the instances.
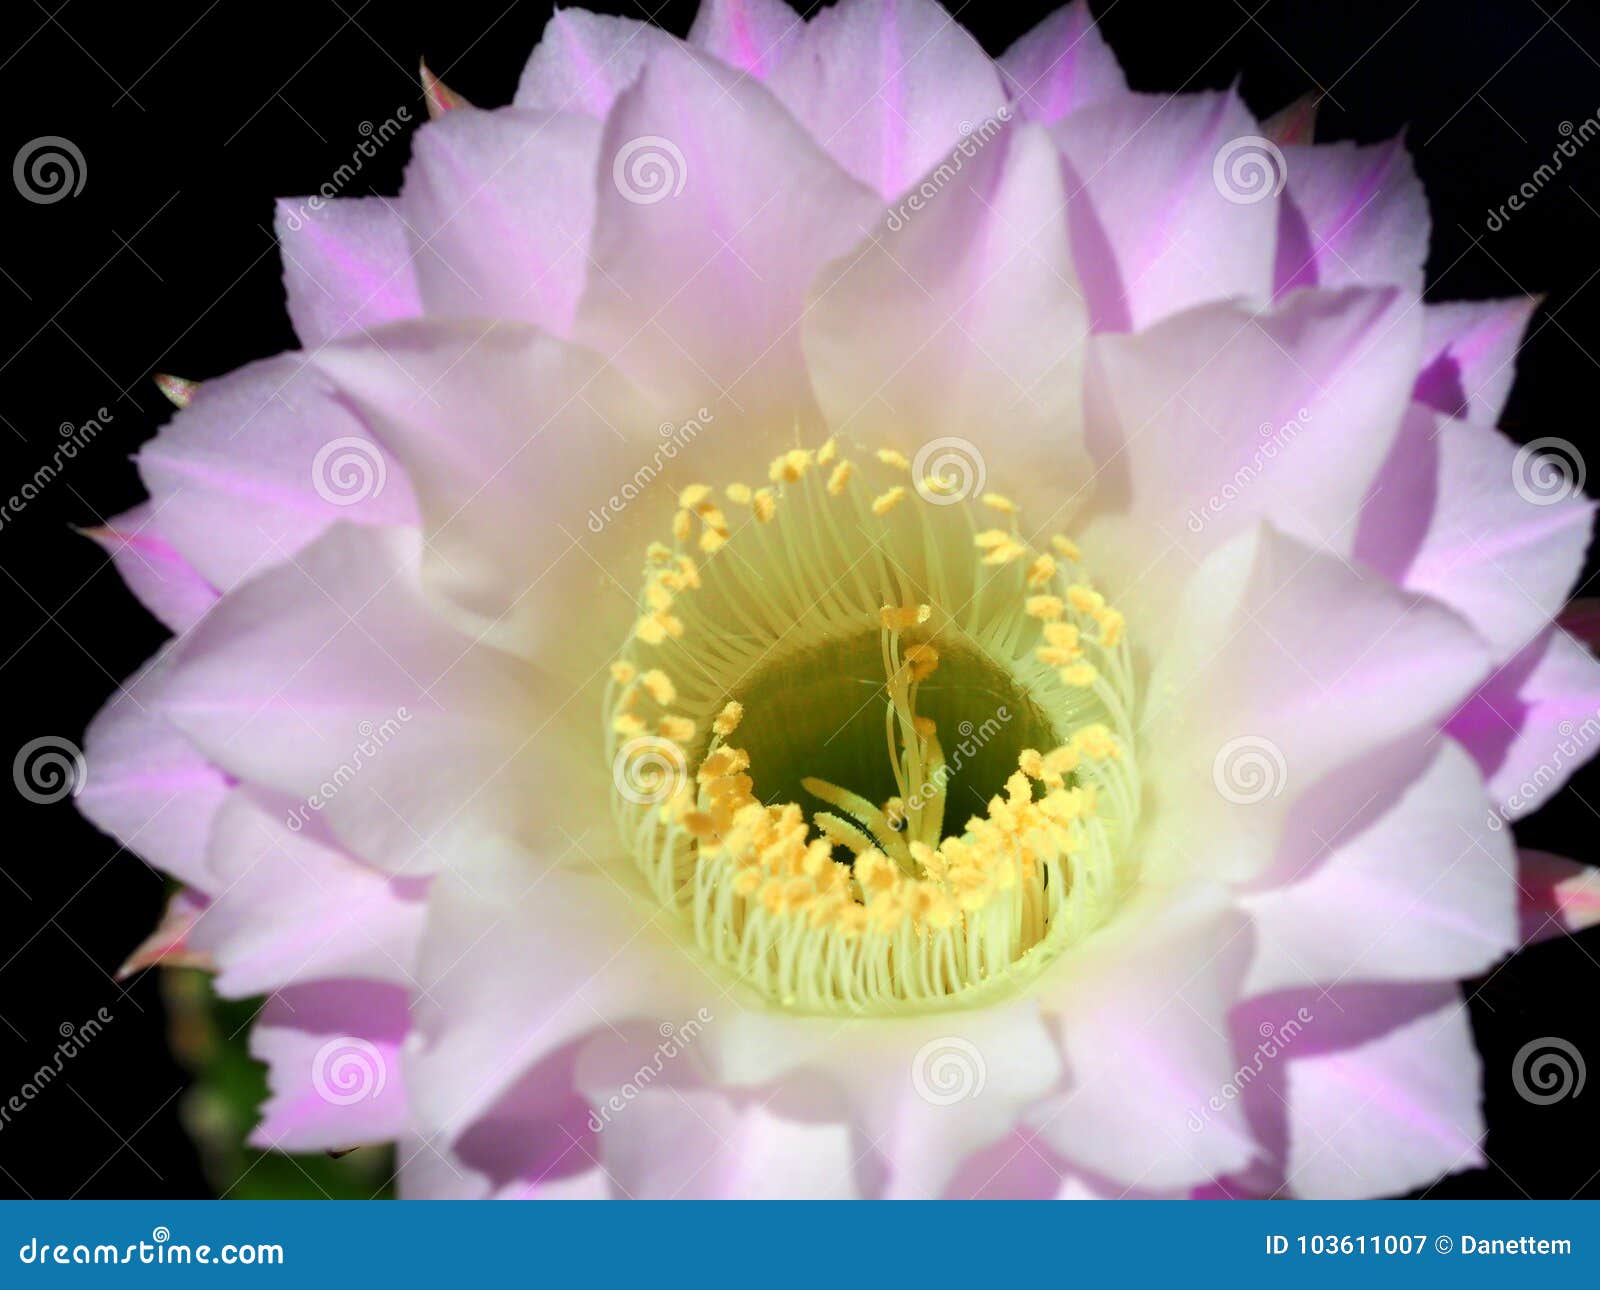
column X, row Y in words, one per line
column 869, row 740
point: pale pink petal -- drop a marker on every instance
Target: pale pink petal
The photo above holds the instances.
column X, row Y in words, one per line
column 291, row 907
column 332, row 1052
column 1413, row 886
column 168, row 945
column 261, row 462
column 165, row 583
column 699, row 283
column 1386, row 1114
column 1352, row 216
column 1060, row 66
column 1219, row 418
column 286, row 677
column 1152, row 232
column 147, row 785
column 585, row 60
column 1141, row 1007
column 499, row 207
column 514, row 441
column 1558, row 895
column 753, row 36
column 965, row 316
column 1263, row 692
column 1451, row 515
column 1533, row 723
column 888, row 87
column 523, row 954
column 1469, row 353
column 346, row 265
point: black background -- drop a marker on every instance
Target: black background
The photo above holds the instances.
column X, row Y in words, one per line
column 192, row 116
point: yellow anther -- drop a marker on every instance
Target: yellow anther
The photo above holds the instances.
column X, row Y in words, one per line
column 659, row 686
column 727, row 721
column 991, row 538
column 682, row 526
column 839, row 478
column 738, row 494
column 1041, row 571
column 657, row 594
column 765, row 503
column 1000, row 502
column 688, row 572
column 828, row 451
column 1005, row 553
column 678, row 729
column 658, row 553
column 924, row 726
column 900, row 618
column 1067, row 548
column 712, row 541
column 1111, row 626
column 626, row 723
column 1030, row 761
column 693, row 495
column 1080, row 674
column 883, row 503
column 623, row 671
column 1061, row 635
column 1086, row 600
column 1046, row 608
column 789, row 467
column 923, row 660
column 654, row 628
column 890, row 457
column 1096, row 742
